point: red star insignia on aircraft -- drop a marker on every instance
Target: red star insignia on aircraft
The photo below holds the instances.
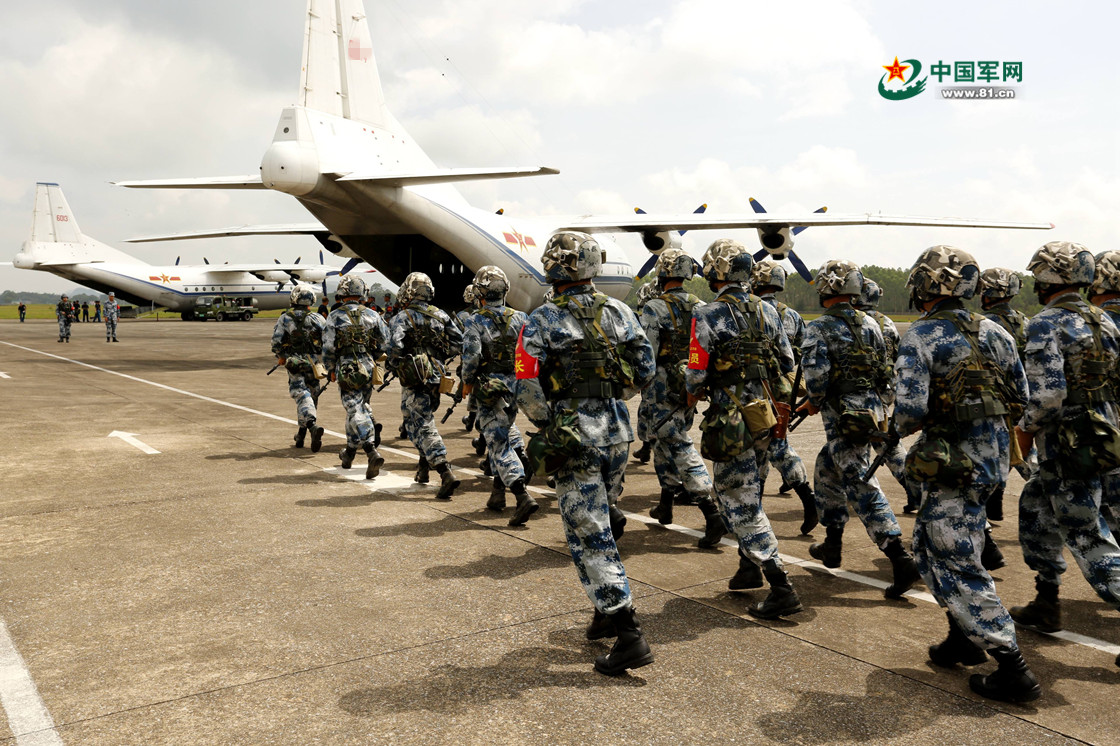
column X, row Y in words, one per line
column 896, row 70
column 165, row 278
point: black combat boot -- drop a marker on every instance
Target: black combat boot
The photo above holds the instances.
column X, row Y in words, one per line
column 809, row 518
column 747, row 577
column 300, row 434
column 991, row 558
column 782, row 599
column 347, row 456
column 468, row 421
column 402, row 433
column 1044, row 613
column 714, row 527
column 995, row 506
column 1013, row 681
column 956, row 648
column 663, row 511
column 630, row 650
column 601, row 626
column 421, row 471
column 905, row 570
column 377, row 435
column 828, row 551
column 448, row 482
column 479, row 444
column 316, row 438
column 374, row 461
column 913, row 497
column 525, row 467
column 618, row 521
column 485, row 468
column 497, row 501
column 642, row 454
column 526, row 505
column 785, row 488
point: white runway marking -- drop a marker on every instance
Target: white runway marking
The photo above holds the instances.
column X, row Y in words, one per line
column 131, row 439
column 28, row 718
column 4, row 375
column 1073, row 637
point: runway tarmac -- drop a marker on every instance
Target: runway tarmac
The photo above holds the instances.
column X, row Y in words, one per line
column 229, row 588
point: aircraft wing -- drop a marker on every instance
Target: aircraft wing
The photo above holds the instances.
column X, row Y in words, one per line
column 252, row 181
column 255, row 268
column 654, row 223
column 280, row 229
column 445, row 175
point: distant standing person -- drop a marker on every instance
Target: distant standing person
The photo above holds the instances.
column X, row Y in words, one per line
column 65, row 314
column 112, row 313
column 22, row 311
column 85, row 310
column 97, row 310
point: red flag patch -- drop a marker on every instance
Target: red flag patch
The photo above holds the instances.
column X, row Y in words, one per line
column 524, row 364
column 697, row 355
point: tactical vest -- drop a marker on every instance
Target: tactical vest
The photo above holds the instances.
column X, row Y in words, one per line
column 303, row 340
column 497, row 356
column 1013, row 322
column 594, row 369
column 975, row 377
column 424, row 336
column 747, row 356
column 859, row 368
column 674, row 347
column 892, row 347
column 1089, row 374
column 355, row 339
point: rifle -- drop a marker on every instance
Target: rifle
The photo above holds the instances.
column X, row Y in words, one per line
column 273, row 368
column 799, row 415
column 661, row 423
column 388, row 380
column 456, row 397
column 889, row 442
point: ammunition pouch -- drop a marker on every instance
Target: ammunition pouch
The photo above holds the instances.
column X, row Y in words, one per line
column 860, row 368
column 938, row 458
column 555, row 445
column 1089, row 374
column 727, row 433
column 492, row 392
column 1088, row 445
column 300, row 365
column 859, row 426
column 354, row 375
column 415, row 371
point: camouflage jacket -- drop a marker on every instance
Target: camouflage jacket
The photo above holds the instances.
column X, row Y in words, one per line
column 1012, row 321
column 928, row 353
column 666, row 328
column 828, row 340
column 423, row 328
column 64, row 311
column 111, row 310
column 298, row 332
column 552, row 335
column 793, row 323
column 485, row 344
column 339, row 320
column 1112, row 308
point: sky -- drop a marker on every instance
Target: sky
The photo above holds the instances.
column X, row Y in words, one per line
column 665, row 104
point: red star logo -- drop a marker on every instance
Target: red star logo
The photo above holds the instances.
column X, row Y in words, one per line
column 165, row 278
column 896, row 70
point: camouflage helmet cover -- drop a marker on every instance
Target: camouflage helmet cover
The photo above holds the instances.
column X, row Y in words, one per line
column 470, row 295
column 351, row 286
column 1062, row 263
column 1107, row 275
column 727, row 261
column 869, row 295
column 418, row 286
column 301, row 295
column 839, row 277
column 943, row 271
column 998, row 282
column 491, row 283
column 570, row 256
column 768, row 273
column 648, row 291
column 675, row 264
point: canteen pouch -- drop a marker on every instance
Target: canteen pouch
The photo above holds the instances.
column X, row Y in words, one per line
column 724, row 434
column 299, row 365
column 353, row 375
column 859, row 426
column 939, row 460
column 415, row 371
column 555, row 445
column 1088, row 444
column 492, row 391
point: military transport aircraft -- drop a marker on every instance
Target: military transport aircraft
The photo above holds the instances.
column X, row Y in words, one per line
column 378, row 197
column 58, row 246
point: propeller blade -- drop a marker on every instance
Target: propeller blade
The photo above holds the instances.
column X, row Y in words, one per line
column 800, row 228
column 500, row 211
column 757, row 206
column 639, row 210
column 350, row 265
column 205, row 260
column 697, row 211
column 760, row 255
column 177, row 260
column 274, row 259
column 800, row 267
column 645, row 270
column 297, row 260
column 320, row 256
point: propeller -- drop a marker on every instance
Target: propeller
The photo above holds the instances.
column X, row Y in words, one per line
column 205, row 260
column 177, row 260
column 784, row 249
column 648, row 266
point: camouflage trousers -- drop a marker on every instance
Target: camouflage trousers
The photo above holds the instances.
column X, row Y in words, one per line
column 305, row 391
column 110, row 328
column 583, row 489
column 498, row 429
column 839, row 486
column 63, row 329
column 675, row 458
column 418, row 408
column 948, row 537
column 644, row 422
column 781, row 454
column 739, row 494
column 359, row 421
column 1054, row 511
column 896, row 462
column 1110, row 500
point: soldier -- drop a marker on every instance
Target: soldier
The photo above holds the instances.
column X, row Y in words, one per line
column 1104, row 293
column 97, row 311
column 667, row 322
column 353, row 339
column 738, row 356
column 85, row 310
column 643, row 454
column 470, row 297
column 579, row 357
column 112, row 313
column 959, row 380
column 423, row 339
column 768, row 278
column 1071, row 354
column 488, row 376
column 297, row 343
column 22, row 311
column 846, row 376
column 64, row 312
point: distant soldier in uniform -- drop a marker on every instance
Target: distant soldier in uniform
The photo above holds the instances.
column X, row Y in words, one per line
column 64, row 312
column 85, row 310
column 488, row 376
column 767, row 279
column 847, row 378
column 423, row 339
column 470, row 297
column 738, row 357
column 643, row 454
column 112, row 313
column 353, row 339
column 581, row 355
column 959, row 380
column 1104, row 293
column 96, row 311
column 22, row 311
column 1071, row 356
column 297, row 343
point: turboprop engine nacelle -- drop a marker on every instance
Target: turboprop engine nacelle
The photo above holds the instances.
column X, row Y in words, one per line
column 655, row 243
column 777, row 241
column 309, row 275
column 272, row 275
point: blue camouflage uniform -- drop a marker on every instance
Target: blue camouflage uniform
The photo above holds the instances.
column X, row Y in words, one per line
column 780, row 453
column 736, row 482
column 342, row 355
column 1015, row 323
column 112, row 313
column 896, row 459
column 421, row 328
column 1110, row 482
column 949, row 531
column 298, row 337
column 65, row 314
column 592, row 480
column 1057, row 506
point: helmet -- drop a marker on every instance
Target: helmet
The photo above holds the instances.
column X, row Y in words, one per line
column 839, row 277
column 1062, row 263
column 351, row 285
column 418, row 286
column 768, row 273
column 869, row 295
column 570, row 256
column 674, row 264
column 66, row 297
column 111, row 294
column 997, row 282
column 648, row 291
column 943, row 271
column 302, row 295
column 491, row 283
column 728, row 261
column 470, row 295
column 1107, row 277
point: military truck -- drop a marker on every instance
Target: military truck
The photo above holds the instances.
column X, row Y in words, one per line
column 221, row 308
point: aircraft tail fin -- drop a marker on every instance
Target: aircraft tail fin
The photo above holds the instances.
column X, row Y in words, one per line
column 57, row 240
column 339, row 74
column 53, row 221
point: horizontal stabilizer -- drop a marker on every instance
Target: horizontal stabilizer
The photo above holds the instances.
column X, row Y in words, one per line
column 252, row 181
column 289, row 229
column 708, row 221
column 446, row 175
